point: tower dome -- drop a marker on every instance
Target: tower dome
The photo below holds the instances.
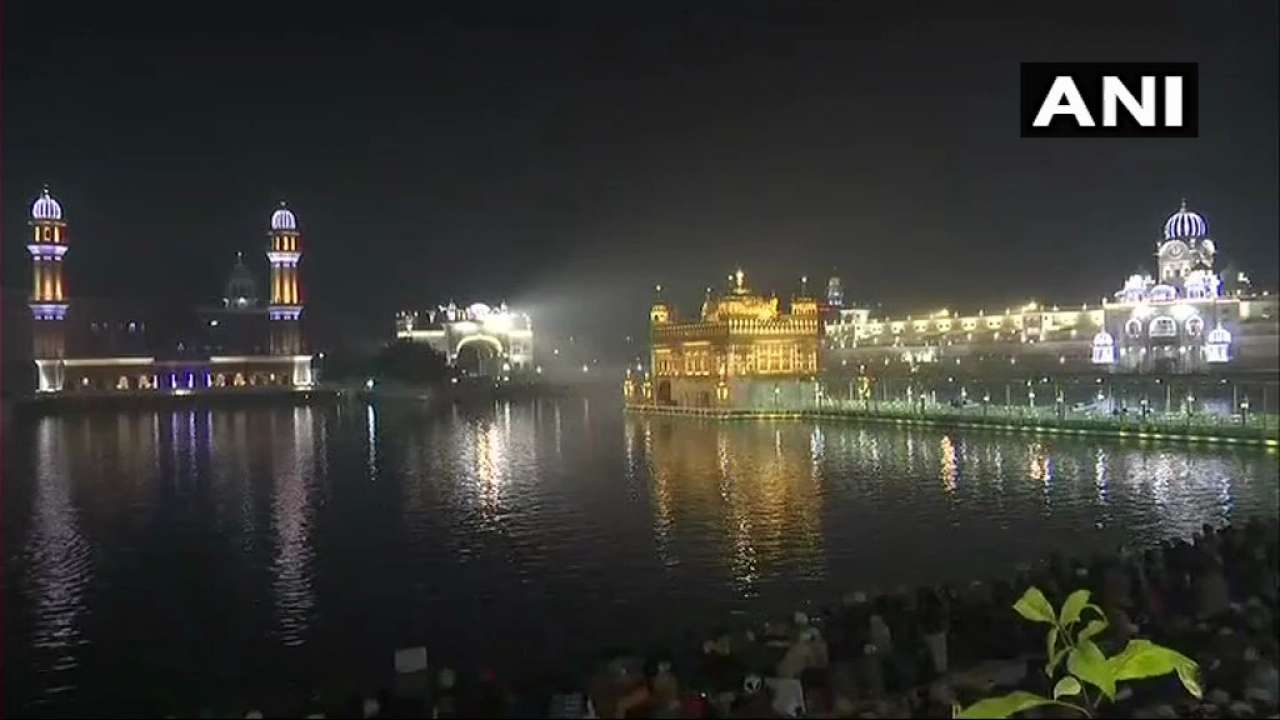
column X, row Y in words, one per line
column 45, row 207
column 1185, row 224
column 242, row 289
column 283, row 219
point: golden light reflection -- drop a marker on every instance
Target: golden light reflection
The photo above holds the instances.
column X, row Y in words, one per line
column 949, row 470
column 765, row 497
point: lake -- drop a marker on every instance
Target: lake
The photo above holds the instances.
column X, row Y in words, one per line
column 161, row 561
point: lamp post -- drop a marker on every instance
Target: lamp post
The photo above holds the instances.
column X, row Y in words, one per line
column 986, row 401
column 1244, row 411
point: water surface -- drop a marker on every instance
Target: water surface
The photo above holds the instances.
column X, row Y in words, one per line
column 156, row 561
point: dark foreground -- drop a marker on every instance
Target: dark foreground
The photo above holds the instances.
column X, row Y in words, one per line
column 913, row 653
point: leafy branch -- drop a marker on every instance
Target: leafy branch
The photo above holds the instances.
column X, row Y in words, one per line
column 1070, row 637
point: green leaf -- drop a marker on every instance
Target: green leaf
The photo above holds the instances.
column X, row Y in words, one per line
column 1050, row 644
column 1057, row 658
column 1072, row 608
column 1003, row 706
column 1144, row 659
column 1190, row 677
column 1034, row 607
column 1093, row 628
column 1088, row 663
column 1066, row 686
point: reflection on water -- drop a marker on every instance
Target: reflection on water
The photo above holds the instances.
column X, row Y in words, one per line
column 257, row 546
column 58, row 556
column 293, row 469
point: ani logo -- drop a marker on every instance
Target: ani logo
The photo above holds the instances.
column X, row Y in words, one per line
column 1110, row 100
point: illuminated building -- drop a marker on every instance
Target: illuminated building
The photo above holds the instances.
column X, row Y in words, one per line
column 743, row 352
column 49, row 304
column 478, row 339
column 835, row 294
column 91, row 346
column 286, row 289
column 1185, row 320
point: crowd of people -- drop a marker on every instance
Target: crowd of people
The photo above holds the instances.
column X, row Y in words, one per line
column 918, row 653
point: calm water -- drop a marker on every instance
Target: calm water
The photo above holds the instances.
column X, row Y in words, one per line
column 156, row 561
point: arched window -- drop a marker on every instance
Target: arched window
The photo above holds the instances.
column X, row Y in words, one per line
column 1133, row 328
column 1163, row 327
column 1104, row 349
column 1194, row 326
column 1217, row 349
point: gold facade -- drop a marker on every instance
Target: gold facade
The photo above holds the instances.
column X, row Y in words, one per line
column 742, row 352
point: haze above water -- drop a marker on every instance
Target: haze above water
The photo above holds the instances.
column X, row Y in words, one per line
column 159, row 561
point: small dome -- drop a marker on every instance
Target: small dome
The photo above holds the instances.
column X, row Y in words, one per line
column 1185, row 224
column 1219, row 336
column 46, row 208
column 283, row 219
column 1103, row 339
column 242, row 288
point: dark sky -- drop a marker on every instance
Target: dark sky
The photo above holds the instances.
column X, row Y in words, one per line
column 569, row 157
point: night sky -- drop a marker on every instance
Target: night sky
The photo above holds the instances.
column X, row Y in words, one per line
column 570, row 157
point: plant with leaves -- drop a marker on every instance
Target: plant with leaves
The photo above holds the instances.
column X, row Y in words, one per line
column 1070, row 638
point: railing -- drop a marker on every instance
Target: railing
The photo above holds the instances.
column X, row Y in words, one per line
column 1255, row 428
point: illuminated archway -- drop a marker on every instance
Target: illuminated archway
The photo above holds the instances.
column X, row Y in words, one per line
column 480, row 355
column 491, row 340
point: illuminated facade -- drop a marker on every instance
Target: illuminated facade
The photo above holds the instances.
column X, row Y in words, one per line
column 478, row 339
column 284, row 253
column 1185, row 320
column 743, row 352
column 88, row 346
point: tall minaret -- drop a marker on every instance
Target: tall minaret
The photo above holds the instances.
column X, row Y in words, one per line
column 284, row 252
column 48, row 294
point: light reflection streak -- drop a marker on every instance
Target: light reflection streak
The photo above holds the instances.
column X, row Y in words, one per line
column 371, row 423
column 949, row 468
column 1100, row 475
column 293, row 466
column 58, row 554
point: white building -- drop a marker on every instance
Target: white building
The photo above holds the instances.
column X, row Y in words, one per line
column 1178, row 321
column 478, row 338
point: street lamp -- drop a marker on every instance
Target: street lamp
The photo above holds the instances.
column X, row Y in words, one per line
column 1244, row 411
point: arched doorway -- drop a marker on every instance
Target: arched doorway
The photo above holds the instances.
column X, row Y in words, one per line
column 479, row 355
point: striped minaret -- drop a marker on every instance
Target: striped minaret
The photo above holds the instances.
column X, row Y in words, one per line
column 285, row 307
column 49, row 292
